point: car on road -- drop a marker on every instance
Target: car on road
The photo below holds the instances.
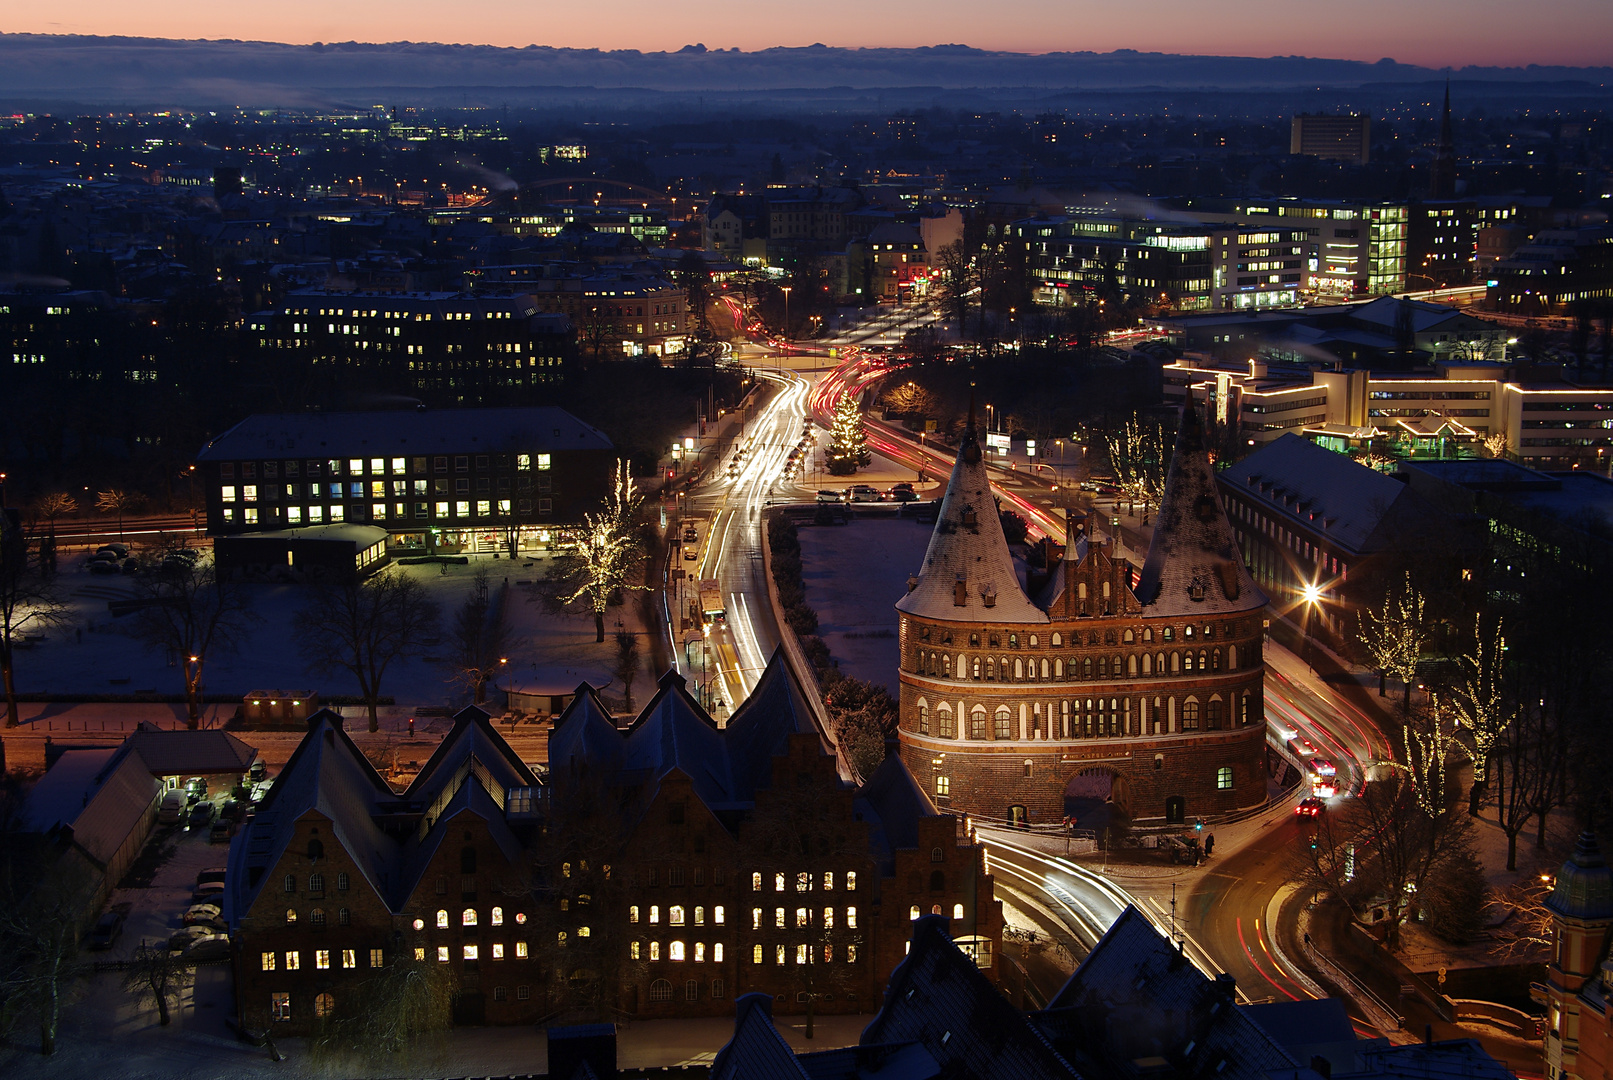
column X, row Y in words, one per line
column 829, row 496
column 901, row 495
column 1323, row 767
column 863, row 493
column 109, row 927
column 1311, row 807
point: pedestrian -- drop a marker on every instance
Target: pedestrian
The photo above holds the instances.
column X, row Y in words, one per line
column 1209, row 845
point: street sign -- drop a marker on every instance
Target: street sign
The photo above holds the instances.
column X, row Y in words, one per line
column 1030, row 447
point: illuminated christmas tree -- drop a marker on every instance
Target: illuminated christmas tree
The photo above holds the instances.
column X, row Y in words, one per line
column 848, row 451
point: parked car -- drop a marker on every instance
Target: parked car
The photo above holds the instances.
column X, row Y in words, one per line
column 184, row 938
column 258, row 770
column 232, row 810
column 98, row 566
column 221, row 831
column 903, row 486
column 200, row 913
column 212, row 875
column 201, row 814
column 862, row 493
column 196, row 788
column 117, row 551
column 205, row 949
column 172, row 808
column 109, row 927
column 211, row 893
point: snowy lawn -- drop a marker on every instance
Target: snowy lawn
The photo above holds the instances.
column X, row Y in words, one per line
column 854, row 575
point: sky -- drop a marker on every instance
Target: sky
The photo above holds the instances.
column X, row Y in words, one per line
column 1435, row 33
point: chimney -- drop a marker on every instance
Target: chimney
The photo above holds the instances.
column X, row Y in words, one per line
column 912, row 583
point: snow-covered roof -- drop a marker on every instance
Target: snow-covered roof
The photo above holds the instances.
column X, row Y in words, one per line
column 1292, row 477
column 968, row 546
column 190, row 753
column 1193, row 565
column 403, row 431
column 100, row 793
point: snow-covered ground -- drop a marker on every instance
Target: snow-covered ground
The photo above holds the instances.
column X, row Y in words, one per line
column 95, row 654
column 854, row 575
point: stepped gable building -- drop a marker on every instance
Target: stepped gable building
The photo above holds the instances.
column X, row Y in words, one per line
column 671, row 862
column 1131, row 692
column 1578, row 991
column 753, row 865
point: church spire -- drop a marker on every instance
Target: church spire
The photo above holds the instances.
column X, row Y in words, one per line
column 1442, row 185
column 1193, row 563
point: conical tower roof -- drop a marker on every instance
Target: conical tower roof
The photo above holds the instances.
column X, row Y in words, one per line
column 968, row 549
column 1193, row 565
column 1584, row 888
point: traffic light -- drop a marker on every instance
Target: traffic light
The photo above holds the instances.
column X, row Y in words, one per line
column 1198, row 826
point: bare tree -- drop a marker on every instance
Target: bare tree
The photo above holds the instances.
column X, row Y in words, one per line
column 57, row 504
column 1395, row 634
column 193, row 615
column 608, row 554
column 156, row 976
column 118, row 501
column 363, row 627
column 626, row 670
column 47, row 900
column 29, row 602
column 480, row 638
column 407, row 1000
column 1480, row 703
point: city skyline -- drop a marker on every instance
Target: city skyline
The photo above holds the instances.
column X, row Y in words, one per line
column 1440, row 34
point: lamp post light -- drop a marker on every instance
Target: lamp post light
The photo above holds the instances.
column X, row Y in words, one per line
column 785, row 289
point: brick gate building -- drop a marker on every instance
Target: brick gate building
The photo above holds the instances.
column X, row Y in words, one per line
column 1112, row 689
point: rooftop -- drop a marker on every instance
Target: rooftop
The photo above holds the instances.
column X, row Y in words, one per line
column 404, row 431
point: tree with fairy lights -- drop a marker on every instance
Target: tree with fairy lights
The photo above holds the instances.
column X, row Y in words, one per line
column 848, row 449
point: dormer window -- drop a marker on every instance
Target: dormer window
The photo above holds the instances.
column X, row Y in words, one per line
column 970, row 519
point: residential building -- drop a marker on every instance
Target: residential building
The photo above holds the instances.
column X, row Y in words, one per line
column 616, row 311
column 444, row 480
column 1338, row 138
column 1553, row 270
column 457, row 348
column 1111, row 689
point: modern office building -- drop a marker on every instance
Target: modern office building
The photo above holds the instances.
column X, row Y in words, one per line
column 1554, row 270
column 1338, row 138
column 440, row 480
column 1354, row 249
column 454, row 348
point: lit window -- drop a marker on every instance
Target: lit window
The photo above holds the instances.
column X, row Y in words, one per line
column 778, row 918
column 913, row 913
column 801, row 954
column 700, row 952
column 756, row 954
column 756, row 882
column 655, row 950
column 674, row 915
column 717, row 915
column 674, row 951
column 633, row 950
column 442, row 919
column 420, row 954
column 632, row 914
column 349, row 958
column 280, row 1005
column 778, row 955
column 376, row 958
column 227, row 493
column 655, row 914
column 498, row 950
column 828, row 918
column 851, row 918
column 543, row 462
column 716, row 952
column 467, row 917
column 778, row 882
column 520, row 950
column 470, row 952
column 291, row 915
column 957, row 911
column 293, row 961
column 851, row 881
column 442, row 954
column 1223, row 778
column 801, row 917
column 268, row 961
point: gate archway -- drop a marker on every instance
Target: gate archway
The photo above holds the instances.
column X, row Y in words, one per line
column 1097, row 798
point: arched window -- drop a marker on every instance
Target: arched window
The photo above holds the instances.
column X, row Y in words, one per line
column 1019, row 669
column 991, row 669
column 924, row 717
column 937, row 855
column 938, row 881
column 497, row 917
column 324, row 1005
column 1131, row 664
column 442, row 919
column 756, row 882
column 1148, row 664
column 341, row 881
column 957, row 911
column 699, row 915
column 700, row 952
column 467, row 860
column 947, row 731
column 1058, row 638
column 1187, row 661
column 1106, row 590
column 1212, row 714
column 948, row 659
column 1203, row 666
column 912, row 913
column 291, row 915
column 1058, row 668
column 674, row 915
column 977, row 722
column 1001, row 723
column 316, row 849
column 1232, row 658
column 1044, row 668
column 674, row 951
column 976, row 669
column 1176, row 661
column 778, row 882
column 1086, row 667
column 316, row 883
column 1190, row 715
column 467, row 917
column 1033, row 640
column 1103, row 667
column 1148, row 633
column 290, row 883
column 661, row 989
column 1215, row 660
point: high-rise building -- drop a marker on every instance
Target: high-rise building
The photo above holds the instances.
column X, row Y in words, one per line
column 1338, row 138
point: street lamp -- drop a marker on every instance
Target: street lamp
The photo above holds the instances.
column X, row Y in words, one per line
column 785, row 289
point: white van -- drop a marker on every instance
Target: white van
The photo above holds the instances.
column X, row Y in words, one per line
column 172, row 809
